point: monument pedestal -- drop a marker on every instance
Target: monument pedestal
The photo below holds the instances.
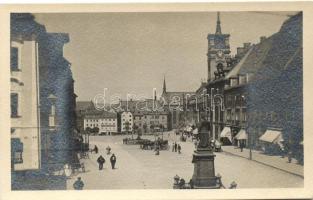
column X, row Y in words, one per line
column 204, row 171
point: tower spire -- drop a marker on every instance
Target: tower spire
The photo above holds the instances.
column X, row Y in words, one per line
column 218, row 24
column 164, row 85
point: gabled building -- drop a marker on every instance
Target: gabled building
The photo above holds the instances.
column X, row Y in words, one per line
column 275, row 95
column 42, row 105
column 235, row 90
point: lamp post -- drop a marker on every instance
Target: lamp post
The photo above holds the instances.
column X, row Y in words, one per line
column 52, row 123
column 248, row 130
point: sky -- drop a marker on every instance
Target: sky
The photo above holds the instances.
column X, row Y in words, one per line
column 130, row 53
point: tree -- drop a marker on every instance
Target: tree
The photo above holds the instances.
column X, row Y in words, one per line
column 95, row 130
column 88, row 130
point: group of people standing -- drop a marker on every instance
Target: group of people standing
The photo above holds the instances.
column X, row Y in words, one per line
column 101, row 159
column 176, row 147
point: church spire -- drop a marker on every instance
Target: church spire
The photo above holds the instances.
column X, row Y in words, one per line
column 164, row 85
column 218, row 24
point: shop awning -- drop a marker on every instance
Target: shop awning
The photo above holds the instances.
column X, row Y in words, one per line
column 226, row 133
column 195, row 132
column 272, row 136
column 242, row 135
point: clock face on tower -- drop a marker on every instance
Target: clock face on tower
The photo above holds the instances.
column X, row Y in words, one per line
column 220, row 54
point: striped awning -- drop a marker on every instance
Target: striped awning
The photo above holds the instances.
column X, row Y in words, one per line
column 226, row 133
column 242, row 135
column 272, row 136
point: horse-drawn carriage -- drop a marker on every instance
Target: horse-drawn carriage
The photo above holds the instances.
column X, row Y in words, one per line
column 150, row 145
column 132, row 141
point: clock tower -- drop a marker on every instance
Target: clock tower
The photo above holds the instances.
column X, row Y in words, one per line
column 218, row 52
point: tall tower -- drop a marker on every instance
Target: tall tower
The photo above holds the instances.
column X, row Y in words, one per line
column 218, row 52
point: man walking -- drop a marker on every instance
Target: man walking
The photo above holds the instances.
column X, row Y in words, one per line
column 79, row 184
column 101, row 161
column 175, row 147
column 96, row 149
column 113, row 161
column 241, row 145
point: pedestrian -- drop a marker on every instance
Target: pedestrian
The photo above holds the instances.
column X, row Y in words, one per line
column 108, row 150
column 79, row 184
column 101, row 161
column 241, row 145
column 95, row 149
column 191, row 184
column 289, row 156
column 196, row 143
column 113, row 161
column 175, row 147
column 179, row 148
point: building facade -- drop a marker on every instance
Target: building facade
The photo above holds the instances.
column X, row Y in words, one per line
column 105, row 121
column 275, row 96
column 126, row 122
column 42, row 104
column 149, row 121
column 25, row 100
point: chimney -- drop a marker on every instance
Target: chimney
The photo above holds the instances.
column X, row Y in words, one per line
column 262, row 38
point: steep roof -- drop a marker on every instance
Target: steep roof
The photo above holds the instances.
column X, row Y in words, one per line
column 284, row 46
column 100, row 114
column 253, row 59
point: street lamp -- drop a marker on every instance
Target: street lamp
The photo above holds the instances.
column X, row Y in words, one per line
column 248, row 130
column 52, row 126
column 52, row 119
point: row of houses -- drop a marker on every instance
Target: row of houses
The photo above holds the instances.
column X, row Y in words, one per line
column 127, row 118
column 42, row 105
column 255, row 96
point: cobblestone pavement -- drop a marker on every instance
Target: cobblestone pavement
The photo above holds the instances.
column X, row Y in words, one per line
column 142, row 169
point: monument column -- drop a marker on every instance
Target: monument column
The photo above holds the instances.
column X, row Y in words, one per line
column 203, row 159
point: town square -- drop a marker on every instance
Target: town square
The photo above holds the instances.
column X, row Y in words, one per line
column 156, row 100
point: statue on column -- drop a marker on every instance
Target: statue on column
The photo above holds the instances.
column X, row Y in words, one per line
column 204, row 132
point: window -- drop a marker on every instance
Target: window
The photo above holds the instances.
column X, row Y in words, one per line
column 244, row 115
column 237, row 115
column 14, row 59
column 14, row 105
